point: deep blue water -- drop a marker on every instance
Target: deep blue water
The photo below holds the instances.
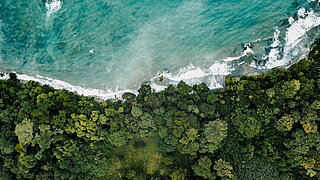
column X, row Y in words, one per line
column 118, row 44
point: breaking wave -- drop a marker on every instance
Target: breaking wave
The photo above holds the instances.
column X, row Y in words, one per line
column 53, row 6
column 294, row 37
column 278, row 55
column 58, row 84
column 282, row 48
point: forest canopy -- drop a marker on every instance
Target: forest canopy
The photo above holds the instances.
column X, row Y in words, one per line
column 257, row 127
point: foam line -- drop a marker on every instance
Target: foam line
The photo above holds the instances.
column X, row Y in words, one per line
column 53, row 6
column 188, row 72
column 306, row 21
column 212, row 75
column 58, row 84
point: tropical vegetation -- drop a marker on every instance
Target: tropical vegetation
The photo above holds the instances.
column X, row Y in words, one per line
column 257, row 127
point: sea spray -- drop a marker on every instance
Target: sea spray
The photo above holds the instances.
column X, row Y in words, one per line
column 52, row 6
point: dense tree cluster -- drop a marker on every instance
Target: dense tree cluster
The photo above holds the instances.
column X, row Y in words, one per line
column 257, row 127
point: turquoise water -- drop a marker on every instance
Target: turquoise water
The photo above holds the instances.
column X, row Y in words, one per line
column 120, row 44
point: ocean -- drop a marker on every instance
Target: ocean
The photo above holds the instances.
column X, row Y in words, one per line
column 101, row 47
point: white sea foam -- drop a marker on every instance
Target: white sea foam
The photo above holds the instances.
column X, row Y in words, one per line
column 53, row 6
column 58, row 84
column 275, row 38
column 4, row 77
column 295, row 33
column 228, row 59
column 291, row 20
column 188, row 72
column 216, row 82
column 213, row 75
column 302, row 13
column 220, row 68
column 248, row 49
column 306, row 21
column 273, row 56
column 157, row 87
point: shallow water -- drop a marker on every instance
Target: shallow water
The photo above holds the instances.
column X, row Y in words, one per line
column 118, row 45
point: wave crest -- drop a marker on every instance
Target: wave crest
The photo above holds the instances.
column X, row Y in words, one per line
column 279, row 54
column 53, row 6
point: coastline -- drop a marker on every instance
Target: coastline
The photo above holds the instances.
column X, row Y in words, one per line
column 98, row 94
column 102, row 95
column 304, row 22
column 254, row 107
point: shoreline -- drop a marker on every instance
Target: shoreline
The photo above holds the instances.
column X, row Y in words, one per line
column 98, row 94
column 215, row 73
column 102, row 95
